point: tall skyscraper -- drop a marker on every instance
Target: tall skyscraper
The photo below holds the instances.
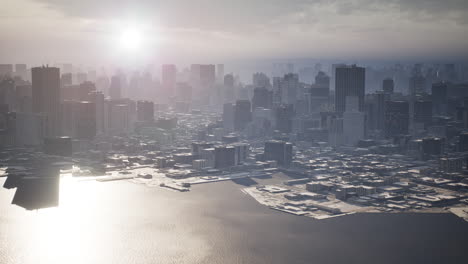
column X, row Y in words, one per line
column 220, row 72
column 242, row 114
column 145, row 111
column 353, row 122
column 289, row 88
column 322, row 80
column 262, row 98
column 396, row 118
column 349, row 81
column 46, row 97
column 388, row 86
column 115, row 89
column 169, row 79
column 207, row 76
column 439, row 98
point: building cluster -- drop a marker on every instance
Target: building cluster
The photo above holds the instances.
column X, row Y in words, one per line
column 353, row 132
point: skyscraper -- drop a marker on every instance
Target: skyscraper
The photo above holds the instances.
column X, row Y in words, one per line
column 220, row 72
column 145, row 111
column 396, row 118
column 242, row 114
column 349, row 81
column 169, row 78
column 46, row 97
column 115, row 89
column 388, row 86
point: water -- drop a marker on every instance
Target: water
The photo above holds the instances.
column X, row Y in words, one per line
column 123, row 222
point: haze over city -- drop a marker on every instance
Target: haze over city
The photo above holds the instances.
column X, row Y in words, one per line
column 261, row 131
column 40, row 31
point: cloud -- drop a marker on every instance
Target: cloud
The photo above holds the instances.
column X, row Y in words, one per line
column 247, row 28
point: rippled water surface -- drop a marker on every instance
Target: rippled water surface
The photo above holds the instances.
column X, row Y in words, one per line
column 124, row 222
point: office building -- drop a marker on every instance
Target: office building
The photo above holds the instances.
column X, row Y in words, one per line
column 145, row 111
column 353, row 122
column 224, row 157
column 169, row 79
column 115, row 89
column 349, row 81
column 46, row 97
column 388, row 86
column 242, row 114
column 278, row 151
column 262, row 98
column 396, row 118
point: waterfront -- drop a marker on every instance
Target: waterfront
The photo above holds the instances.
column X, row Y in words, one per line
column 124, row 222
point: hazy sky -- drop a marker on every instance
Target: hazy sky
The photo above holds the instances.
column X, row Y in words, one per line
column 88, row 31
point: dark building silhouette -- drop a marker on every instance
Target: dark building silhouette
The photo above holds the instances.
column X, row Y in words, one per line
column 262, row 98
column 349, row 81
column 60, row 146
column 388, row 86
column 242, row 114
column 322, row 80
column 432, row 147
column 439, row 98
column 423, row 112
column 85, row 120
column 66, row 79
column 145, row 111
column 279, row 151
column 46, row 97
column 284, row 115
column 229, row 93
column 463, row 142
column 417, row 82
column 396, row 118
column 225, row 157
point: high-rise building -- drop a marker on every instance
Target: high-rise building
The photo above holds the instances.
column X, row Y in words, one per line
column 207, row 76
column 224, row 157
column 46, row 97
column 353, row 122
column 262, row 98
column 242, row 114
column 145, row 111
column 289, row 89
column 228, row 116
column 284, row 115
column 349, row 81
column 66, row 79
column 388, row 86
column 220, row 72
column 279, row 151
column 396, row 118
column 229, row 93
column 85, row 118
column 115, row 89
column 260, row 79
column 423, row 112
column 322, row 80
column 439, row 98
column 6, row 70
column 21, row 70
column 417, row 82
column 169, row 79
column 97, row 98
column 432, row 147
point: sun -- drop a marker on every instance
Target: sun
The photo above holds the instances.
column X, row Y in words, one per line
column 131, row 39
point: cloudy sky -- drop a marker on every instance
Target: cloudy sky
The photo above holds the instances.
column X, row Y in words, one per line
column 91, row 31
